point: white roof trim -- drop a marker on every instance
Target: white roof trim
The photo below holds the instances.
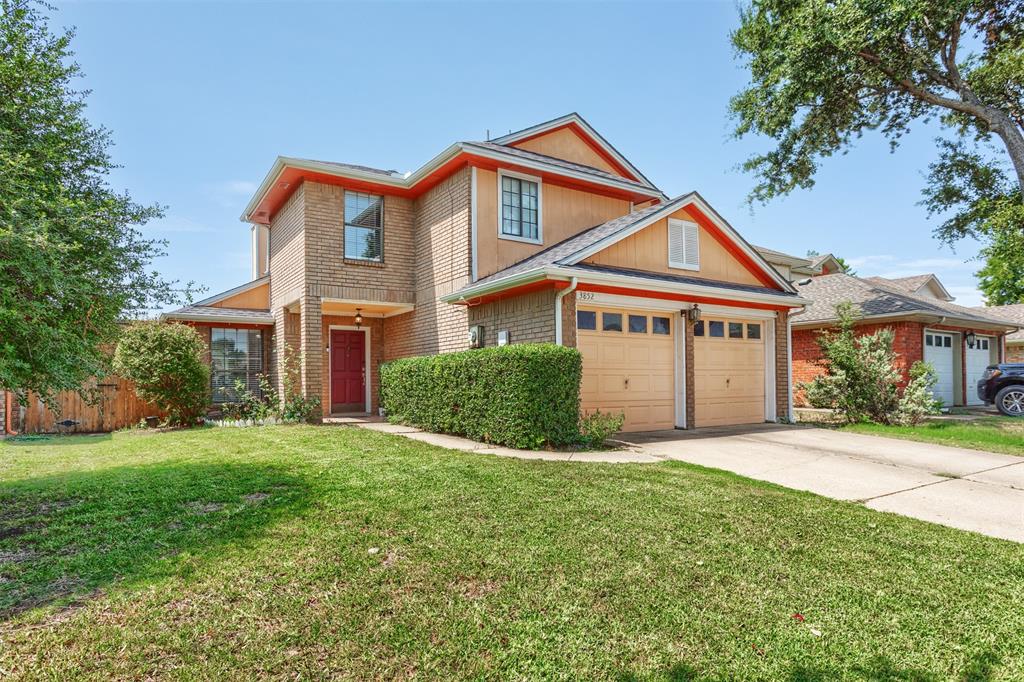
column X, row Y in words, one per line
column 542, row 128
column 229, row 319
column 400, row 182
column 567, row 273
column 932, row 279
column 217, row 298
column 953, row 318
column 670, row 207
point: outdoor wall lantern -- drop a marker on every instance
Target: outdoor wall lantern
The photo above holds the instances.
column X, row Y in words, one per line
column 970, row 339
column 693, row 314
column 359, row 318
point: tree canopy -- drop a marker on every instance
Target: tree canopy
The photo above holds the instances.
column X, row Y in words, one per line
column 73, row 262
column 824, row 73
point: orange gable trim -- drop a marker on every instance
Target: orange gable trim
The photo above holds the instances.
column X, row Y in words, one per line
column 587, row 140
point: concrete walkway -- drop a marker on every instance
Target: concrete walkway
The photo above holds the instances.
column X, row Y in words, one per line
column 967, row 489
column 627, row 455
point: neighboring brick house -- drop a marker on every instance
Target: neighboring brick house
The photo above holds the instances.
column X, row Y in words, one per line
column 1015, row 315
column 548, row 234
column 958, row 341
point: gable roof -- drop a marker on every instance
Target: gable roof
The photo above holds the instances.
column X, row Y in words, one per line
column 914, row 283
column 878, row 299
column 1011, row 313
column 570, row 252
column 207, row 313
column 217, row 298
column 587, row 133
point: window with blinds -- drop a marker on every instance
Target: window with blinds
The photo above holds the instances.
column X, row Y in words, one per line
column 364, row 220
column 683, row 244
column 235, row 355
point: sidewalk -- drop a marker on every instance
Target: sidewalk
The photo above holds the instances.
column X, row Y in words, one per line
column 628, row 455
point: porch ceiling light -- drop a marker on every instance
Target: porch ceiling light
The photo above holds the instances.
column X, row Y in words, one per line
column 359, row 318
column 971, row 338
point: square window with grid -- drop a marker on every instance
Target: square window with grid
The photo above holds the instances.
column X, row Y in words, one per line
column 520, row 208
column 235, row 355
column 364, row 220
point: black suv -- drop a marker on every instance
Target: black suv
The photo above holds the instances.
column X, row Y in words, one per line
column 1004, row 386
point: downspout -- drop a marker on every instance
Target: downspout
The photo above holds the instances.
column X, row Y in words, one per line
column 558, row 310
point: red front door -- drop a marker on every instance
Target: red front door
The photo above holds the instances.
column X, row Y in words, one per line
column 348, row 364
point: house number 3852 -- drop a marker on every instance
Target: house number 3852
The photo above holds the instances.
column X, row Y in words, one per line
column 587, row 296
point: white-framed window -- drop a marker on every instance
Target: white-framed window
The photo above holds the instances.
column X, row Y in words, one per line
column 364, row 223
column 519, row 207
column 236, row 355
column 683, row 244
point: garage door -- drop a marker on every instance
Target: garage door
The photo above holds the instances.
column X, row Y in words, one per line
column 728, row 371
column 978, row 358
column 938, row 350
column 628, row 366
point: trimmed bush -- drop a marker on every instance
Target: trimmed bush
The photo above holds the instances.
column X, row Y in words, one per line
column 165, row 362
column 522, row 396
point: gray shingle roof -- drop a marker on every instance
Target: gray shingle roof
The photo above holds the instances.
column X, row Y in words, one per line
column 679, row 279
column 193, row 312
column 555, row 161
column 873, row 297
column 556, row 253
column 355, row 166
column 1011, row 313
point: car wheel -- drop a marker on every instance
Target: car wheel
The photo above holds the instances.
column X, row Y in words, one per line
column 1010, row 401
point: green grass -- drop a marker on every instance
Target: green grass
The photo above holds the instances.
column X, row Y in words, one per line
column 309, row 552
column 995, row 434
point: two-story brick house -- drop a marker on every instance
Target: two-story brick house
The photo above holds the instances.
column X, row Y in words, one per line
column 548, row 234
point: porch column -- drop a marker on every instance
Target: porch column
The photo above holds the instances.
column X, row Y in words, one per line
column 311, row 338
column 691, row 401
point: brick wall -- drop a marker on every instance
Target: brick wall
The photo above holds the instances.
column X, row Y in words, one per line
column 442, row 243
column 1015, row 353
column 288, row 251
column 529, row 318
column 3, row 413
column 689, row 379
column 908, row 342
column 781, row 366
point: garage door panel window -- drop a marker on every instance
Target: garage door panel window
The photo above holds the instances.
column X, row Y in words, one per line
column 735, row 330
column 698, row 328
column 611, row 322
column 717, row 328
column 638, row 324
column 661, row 325
column 586, row 319
column 753, row 331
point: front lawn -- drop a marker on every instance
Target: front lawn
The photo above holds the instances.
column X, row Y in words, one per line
column 305, row 552
column 995, row 434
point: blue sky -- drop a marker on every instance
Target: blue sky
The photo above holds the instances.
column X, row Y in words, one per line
column 201, row 98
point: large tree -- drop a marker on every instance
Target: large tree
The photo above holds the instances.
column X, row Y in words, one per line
column 73, row 262
column 823, row 73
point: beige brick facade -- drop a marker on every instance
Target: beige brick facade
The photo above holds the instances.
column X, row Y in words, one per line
column 782, row 366
column 529, row 318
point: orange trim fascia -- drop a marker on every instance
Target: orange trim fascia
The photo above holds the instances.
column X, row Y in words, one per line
column 587, row 140
column 685, row 298
column 561, row 181
column 731, row 246
column 516, row 291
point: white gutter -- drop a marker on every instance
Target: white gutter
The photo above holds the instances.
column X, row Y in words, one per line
column 400, row 182
column 789, row 370
column 235, row 319
column 930, row 318
column 558, row 310
column 589, row 277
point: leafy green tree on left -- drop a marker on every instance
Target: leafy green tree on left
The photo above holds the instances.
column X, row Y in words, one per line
column 73, row 262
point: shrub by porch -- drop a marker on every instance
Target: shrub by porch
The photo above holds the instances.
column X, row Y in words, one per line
column 522, row 396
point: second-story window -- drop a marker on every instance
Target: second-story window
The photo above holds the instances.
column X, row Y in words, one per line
column 363, row 226
column 520, row 208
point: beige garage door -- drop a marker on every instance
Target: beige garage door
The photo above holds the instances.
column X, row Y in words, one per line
column 628, row 365
column 728, row 369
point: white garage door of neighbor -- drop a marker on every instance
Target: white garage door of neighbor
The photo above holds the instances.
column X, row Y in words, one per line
column 728, row 372
column 938, row 350
column 978, row 358
column 628, row 366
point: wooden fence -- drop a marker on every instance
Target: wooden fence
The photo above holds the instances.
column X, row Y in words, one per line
column 118, row 406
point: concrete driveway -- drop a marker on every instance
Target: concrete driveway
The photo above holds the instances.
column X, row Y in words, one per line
column 967, row 489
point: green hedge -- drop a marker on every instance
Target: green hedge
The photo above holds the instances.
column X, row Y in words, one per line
column 522, row 396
